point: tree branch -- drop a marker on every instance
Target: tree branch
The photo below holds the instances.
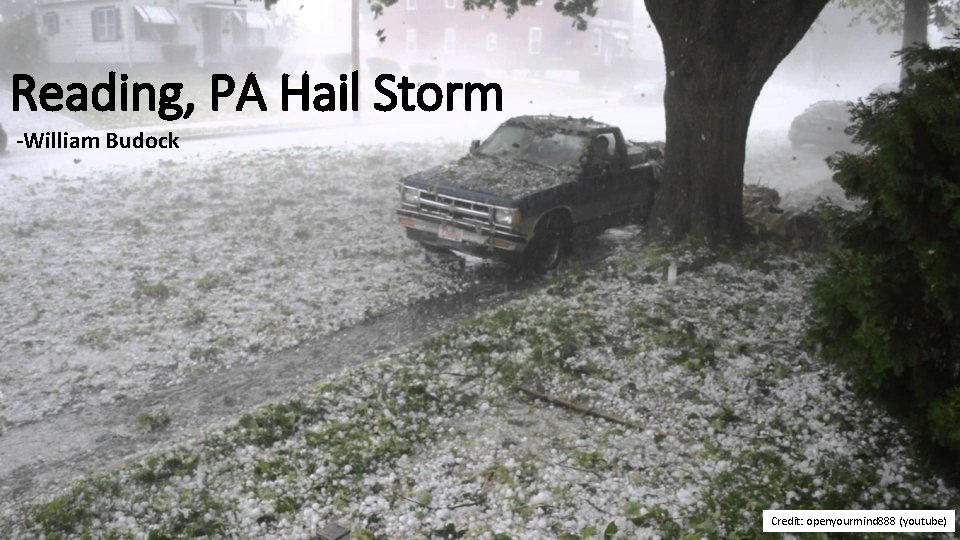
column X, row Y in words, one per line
column 576, row 407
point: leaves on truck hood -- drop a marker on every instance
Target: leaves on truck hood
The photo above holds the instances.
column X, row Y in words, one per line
column 505, row 178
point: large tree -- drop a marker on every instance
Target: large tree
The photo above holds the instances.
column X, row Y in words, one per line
column 719, row 54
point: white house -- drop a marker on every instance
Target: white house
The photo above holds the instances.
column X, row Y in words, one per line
column 145, row 31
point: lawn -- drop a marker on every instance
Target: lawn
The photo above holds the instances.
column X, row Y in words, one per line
column 714, row 410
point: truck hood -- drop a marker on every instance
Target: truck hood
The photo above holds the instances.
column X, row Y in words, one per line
column 501, row 178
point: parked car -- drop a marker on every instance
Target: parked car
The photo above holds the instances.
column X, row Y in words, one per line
column 523, row 192
column 823, row 124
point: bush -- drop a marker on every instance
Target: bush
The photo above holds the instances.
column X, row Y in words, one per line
column 380, row 66
column 19, row 43
column 422, row 72
column 179, row 55
column 262, row 58
column 337, row 63
column 888, row 307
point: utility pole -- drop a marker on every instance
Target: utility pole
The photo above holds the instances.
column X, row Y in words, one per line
column 355, row 46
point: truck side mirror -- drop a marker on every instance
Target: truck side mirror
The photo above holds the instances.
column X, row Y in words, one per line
column 474, row 146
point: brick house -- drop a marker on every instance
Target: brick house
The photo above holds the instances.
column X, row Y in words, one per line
column 535, row 38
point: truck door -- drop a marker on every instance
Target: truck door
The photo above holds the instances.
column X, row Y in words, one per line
column 594, row 190
column 607, row 176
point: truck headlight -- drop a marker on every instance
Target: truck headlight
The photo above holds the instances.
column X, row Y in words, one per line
column 506, row 216
column 410, row 195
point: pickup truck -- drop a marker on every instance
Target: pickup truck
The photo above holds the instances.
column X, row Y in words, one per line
column 523, row 192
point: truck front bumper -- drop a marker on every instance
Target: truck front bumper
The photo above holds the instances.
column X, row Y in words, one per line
column 453, row 235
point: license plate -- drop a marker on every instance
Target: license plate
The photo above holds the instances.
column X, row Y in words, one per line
column 450, row 233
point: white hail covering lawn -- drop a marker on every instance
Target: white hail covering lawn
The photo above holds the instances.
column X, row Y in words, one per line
column 725, row 414
column 131, row 278
column 114, row 284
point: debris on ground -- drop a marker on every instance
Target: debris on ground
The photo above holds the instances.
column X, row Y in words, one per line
column 765, row 217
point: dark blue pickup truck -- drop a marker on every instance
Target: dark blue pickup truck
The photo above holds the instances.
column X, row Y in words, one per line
column 522, row 193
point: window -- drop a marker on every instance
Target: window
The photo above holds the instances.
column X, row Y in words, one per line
column 597, row 42
column 621, row 46
column 491, row 42
column 611, row 143
column 451, row 4
column 154, row 23
column 449, row 40
column 51, row 23
column 238, row 28
column 536, row 40
column 411, row 40
column 249, row 27
column 411, row 5
column 106, row 24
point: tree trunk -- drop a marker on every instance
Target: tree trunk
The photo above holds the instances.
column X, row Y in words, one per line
column 707, row 127
column 719, row 54
column 915, row 16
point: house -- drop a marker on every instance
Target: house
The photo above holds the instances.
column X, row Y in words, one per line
column 152, row 31
column 535, row 38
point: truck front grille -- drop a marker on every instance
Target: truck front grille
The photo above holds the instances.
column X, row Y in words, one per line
column 455, row 209
column 469, row 214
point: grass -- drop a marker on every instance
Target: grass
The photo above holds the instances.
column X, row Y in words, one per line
column 98, row 338
column 158, row 291
column 205, row 354
column 154, row 470
column 373, row 433
column 210, row 281
column 194, row 317
column 28, row 229
column 155, row 420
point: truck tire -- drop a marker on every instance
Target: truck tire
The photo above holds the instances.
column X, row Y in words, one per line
column 550, row 244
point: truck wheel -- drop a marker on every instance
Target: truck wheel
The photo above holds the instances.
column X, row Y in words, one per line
column 550, row 244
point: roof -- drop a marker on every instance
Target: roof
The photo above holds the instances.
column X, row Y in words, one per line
column 559, row 123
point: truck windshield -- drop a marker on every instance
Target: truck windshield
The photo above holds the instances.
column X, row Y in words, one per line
column 554, row 149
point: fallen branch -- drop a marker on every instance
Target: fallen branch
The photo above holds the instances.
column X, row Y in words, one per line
column 597, row 508
column 454, row 507
column 576, row 407
column 486, row 484
column 571, row 467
